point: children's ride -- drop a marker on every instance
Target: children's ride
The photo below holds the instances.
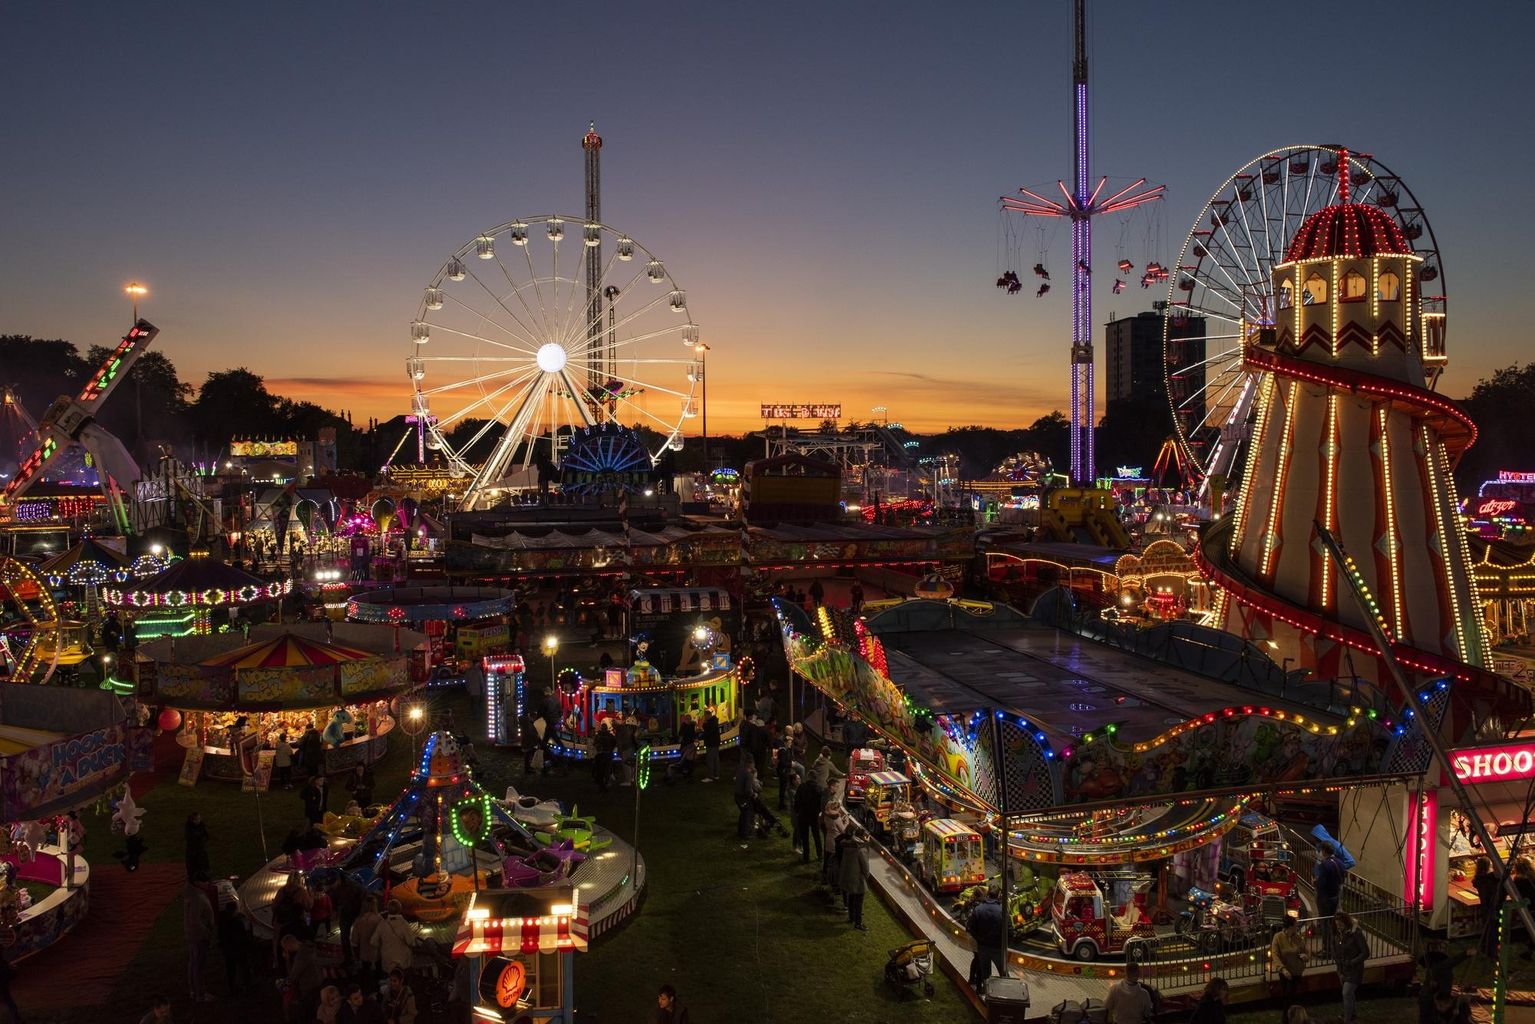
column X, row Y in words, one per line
column 950, row 856
column 884, row 792
column 1088, row 925
column 864, row 761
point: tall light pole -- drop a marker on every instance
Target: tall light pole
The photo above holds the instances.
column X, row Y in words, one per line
column 703, row 379
column 551, row 645
column 134, row 291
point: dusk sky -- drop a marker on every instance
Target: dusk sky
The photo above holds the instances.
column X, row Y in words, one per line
column 821, row 177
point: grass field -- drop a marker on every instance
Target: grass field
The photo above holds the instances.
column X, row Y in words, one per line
column 743, row 934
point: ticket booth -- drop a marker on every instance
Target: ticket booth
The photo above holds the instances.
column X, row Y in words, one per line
column 521, row 946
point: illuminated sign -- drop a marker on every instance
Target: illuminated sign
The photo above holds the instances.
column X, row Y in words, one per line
column 1494, row 764
column 1496, row 506
column 1422, row 826
column 1128, row 472
column 263, row 449
column 1509, row 476
column 802, row 412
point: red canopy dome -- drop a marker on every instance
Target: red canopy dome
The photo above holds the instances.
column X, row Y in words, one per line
column 1347, row 228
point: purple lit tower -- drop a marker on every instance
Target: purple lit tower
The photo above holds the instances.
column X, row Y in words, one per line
column 1081, row 203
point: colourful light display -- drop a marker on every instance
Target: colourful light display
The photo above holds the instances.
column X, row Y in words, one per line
column 1501, row 763
column 1422, row 827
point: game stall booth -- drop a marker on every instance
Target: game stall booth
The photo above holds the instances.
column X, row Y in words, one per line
column 61, row 750
column 462, row 624
column 230, row 701
column 521, row 946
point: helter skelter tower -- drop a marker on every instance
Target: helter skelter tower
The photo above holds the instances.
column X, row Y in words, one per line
column 1081, row 203
column 1347, row 436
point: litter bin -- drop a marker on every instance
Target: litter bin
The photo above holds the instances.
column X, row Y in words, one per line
column 1007, row 1000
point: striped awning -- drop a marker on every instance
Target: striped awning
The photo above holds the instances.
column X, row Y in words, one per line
column 946, row 828
column 286, row 650
column 888, row 779
column 554, row 933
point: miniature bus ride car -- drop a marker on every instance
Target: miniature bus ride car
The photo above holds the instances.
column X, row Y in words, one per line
column 951, row 856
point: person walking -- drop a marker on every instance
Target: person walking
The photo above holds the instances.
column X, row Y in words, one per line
column 801, row 741
column 807, row 820
column 783, row 767
column 602, row 758
column 198, row 927
column 817, row 592
column 823, row 771
column 348, row 896
column 363, row 930
column 1287, row 957
column 668, row 1010
column 988, row 927
column 852, row 875
column 711, row 736
column 302, row 980
column 313, row 796
column 855, row 596
column 1211, row 1008
column 1128, row 1001
column 196, row 834
column 311, row 750
column 1327, row 877
column 628, row 736
column 833, row 823
column 1489, row 891
column 234, row 934
column 393, row 940
column 282, row 761
column 746, row 777
column 1350, row 951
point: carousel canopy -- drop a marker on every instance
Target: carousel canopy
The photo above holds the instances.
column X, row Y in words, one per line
column 286, row 650
column 198, row 581
column 87, row 550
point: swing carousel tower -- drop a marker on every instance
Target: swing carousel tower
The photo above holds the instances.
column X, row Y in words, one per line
column 1347, row 437
column 1080, row 204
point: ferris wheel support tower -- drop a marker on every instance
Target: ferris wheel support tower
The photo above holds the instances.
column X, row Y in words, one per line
column 1081, row 204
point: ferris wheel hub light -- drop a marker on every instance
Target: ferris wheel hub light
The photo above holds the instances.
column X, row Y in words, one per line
column 551, row 357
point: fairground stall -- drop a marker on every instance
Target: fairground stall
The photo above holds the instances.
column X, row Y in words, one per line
column 521, row 946
column 230, row 701
column 461, row 624
column 61, row 750
column 1129, row 791
column 193, row 596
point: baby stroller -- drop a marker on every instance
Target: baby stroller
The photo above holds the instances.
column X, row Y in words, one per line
column 911, row 965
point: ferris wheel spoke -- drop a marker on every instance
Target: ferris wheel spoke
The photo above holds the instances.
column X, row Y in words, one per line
column 485, row 398
column 661, row 333
column 533, row 334
column 582, row 407
column 486, row 427
column 461, row 384
column 629, row 317
column 651, row 387
column 435, row 325
column 1219, row 379
column 666, row 427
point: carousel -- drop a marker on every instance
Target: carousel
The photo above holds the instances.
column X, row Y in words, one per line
column 231, row 701
column 191, row 596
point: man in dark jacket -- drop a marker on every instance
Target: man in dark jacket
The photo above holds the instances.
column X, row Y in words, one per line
column 1351, row 952
column 807, row 819
column 711, row 738
column 746, row 780
column 1328, row 874
column 311, row 750
column 988, row 927
column 314, row 800
column 348, row 896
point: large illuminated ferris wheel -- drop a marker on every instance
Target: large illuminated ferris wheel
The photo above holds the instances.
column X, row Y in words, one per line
column 1224, row 275
column 522, row 339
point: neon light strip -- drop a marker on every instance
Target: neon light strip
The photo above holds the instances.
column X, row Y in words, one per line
column 1265, row 393
column 1393, row 542
column 1329, row 489
column 1270, row 535
column 1477, row 653
column 1337, row 304
column 1436, row 498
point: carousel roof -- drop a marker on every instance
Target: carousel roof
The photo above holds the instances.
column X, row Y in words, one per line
column 286, row 650
column 193, row 575
column 86, row 551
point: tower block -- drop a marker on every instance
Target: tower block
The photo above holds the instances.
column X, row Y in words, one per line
column 1347, row 435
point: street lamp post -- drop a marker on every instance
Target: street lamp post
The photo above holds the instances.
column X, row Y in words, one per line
column 134, row 290
column 551, row 645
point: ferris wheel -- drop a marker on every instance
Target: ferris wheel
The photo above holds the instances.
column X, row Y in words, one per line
column 1223, row 276
column 29, row 625
column 524, row 338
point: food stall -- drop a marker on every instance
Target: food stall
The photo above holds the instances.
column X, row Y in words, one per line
column 521, row 945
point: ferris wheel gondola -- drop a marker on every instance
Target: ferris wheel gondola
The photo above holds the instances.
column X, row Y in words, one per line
column 1223, row 277
column 518, row 346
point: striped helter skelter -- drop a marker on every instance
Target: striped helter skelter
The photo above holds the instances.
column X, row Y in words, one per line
column 1346, row 435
